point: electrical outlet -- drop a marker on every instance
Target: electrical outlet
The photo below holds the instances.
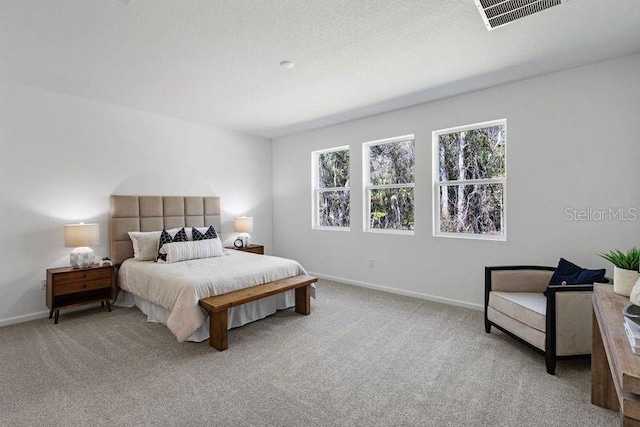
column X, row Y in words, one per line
column 371, row 263
column 43, row 284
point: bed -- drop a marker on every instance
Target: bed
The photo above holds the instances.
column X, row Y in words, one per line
column 169, row 293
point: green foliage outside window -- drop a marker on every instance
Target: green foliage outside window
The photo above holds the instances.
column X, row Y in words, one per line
column 477, row 154
column 392, row 208
column 334, row 169
column 393, row 164
column 333, row 173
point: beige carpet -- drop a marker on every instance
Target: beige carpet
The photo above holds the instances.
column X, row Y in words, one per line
column 362, row 358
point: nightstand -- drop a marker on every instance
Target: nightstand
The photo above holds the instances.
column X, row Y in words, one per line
column 69, row 287
column 254, row 249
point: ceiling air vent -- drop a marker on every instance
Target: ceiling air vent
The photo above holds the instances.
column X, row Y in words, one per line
column 496, row 13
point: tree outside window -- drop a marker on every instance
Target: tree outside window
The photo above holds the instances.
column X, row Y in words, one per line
column 331, row 188
column 389, row 168
column 470, row 181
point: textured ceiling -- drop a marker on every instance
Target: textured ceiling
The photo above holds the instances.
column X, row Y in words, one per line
column 217, row 61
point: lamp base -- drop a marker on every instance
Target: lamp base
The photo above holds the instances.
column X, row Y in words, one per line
column 82, row 257
column 246, row 239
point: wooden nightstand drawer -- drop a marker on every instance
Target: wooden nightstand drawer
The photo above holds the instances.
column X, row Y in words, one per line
column 71, row 288
column 81, row 276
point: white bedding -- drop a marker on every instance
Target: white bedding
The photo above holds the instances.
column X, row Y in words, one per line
column 179, row 286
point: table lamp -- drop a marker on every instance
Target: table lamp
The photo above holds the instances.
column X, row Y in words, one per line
column 243, row 225
column 81, row 236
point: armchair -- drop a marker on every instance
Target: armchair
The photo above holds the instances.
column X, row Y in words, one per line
column 554, row 320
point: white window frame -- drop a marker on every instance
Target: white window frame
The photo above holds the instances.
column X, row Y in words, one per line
column 316, row 190
column 437, row 184
column 367, row 187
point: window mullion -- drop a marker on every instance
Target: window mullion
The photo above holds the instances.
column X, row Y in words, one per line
column 473, row 181
column 325, row 190
column 390, row 186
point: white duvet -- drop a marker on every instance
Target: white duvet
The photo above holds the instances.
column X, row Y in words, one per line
column 179, row 286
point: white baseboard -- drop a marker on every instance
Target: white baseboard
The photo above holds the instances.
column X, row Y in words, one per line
column 450, row 301
column 24, row 318
column 420, row 295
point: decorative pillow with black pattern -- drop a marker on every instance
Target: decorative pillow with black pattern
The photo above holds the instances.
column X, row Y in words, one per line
column 181, row 236
column 209, row 234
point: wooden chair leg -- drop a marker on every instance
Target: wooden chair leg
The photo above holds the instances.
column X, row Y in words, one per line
column 50, row 313
column 108, row 305
column 57, row 314
column 101, row 304
column 303, row 300
column 218, row 330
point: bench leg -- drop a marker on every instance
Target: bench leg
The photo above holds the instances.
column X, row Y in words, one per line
column 303, row 300
column 218, row 330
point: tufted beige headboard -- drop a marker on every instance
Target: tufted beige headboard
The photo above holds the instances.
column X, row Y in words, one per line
column 153, row 213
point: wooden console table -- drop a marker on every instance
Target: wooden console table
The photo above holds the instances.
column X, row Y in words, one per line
column 615, row 370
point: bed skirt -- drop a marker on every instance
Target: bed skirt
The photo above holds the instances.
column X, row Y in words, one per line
column 238, row 316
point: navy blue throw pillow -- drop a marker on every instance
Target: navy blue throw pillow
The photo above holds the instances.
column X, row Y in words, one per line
column 592, row 276
column 571, row 274
column 209, row 234
column 181, row 236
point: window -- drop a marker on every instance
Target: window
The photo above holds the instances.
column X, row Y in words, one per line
column 389, row 168
column 331, row 188
column 470, row 181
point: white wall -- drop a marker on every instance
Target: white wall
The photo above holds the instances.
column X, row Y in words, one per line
column 573, row 141
column 62, row 157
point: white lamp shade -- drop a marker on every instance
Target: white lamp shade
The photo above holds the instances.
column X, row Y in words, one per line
column 243, row 224
column 78, row 235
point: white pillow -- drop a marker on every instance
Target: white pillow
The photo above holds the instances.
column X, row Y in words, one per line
column 145, row 243
column 184, row 251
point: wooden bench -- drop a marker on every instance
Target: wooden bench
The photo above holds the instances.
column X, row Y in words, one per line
column 218, row 305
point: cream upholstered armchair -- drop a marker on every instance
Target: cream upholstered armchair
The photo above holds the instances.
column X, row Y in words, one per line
column 554, row 320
